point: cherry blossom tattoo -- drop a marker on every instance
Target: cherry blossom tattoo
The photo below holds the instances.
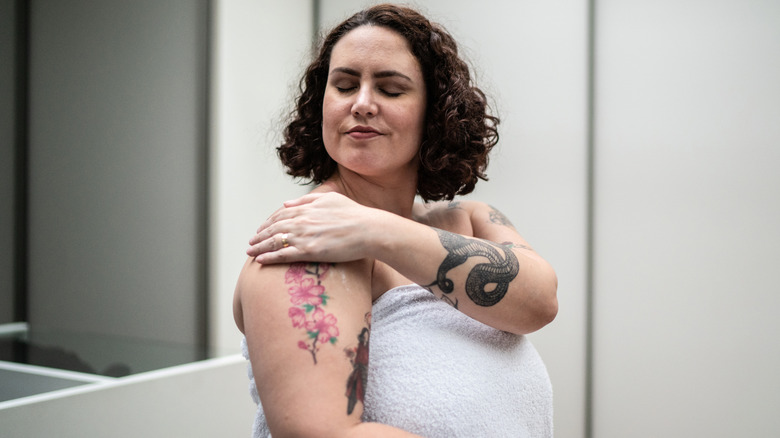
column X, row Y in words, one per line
column 501, row 269
column 308, row 296
column 358, row 356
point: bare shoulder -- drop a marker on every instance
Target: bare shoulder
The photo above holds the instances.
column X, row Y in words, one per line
column 253, row 279
column 460, row 216
column 260, row 285
column 451, row 216
column 483, row 212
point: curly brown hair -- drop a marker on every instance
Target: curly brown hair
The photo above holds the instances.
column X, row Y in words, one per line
column 459, row 130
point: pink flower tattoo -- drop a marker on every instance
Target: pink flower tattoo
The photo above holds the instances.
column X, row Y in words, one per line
column 298, row 316
column 307, row 292
column 308, row 297
column 324, row 325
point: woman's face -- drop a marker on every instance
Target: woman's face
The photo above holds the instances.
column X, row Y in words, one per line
column 374, row 106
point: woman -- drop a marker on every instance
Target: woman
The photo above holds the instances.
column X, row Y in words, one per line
column 387, row 111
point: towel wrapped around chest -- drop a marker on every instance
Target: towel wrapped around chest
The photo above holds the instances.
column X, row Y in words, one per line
column 436, row 372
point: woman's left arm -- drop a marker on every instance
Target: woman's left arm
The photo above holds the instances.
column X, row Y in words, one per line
column 531, row 296
column 488, row 272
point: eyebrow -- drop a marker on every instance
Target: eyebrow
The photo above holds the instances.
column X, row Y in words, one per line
column 379, row 74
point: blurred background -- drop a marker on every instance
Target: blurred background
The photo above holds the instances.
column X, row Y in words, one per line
column 639, row 153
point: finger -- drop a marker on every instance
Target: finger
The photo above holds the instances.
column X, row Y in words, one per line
column 258, row 237
column 274, row 227
column 272, row 243
column 263, row 226
column 285, row 255
column 262, row 234
column 305, row 199
column 253, row 251
column 260, row 248
column 274, row 217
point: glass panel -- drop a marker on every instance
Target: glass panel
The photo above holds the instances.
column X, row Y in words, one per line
column 17, row 383
column 103, row 355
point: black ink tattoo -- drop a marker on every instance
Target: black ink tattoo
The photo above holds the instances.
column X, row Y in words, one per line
column 499, row 218
column 516, row 245
column 444, row 298
column 358, row 356
column 449, row 301
column 500, row 270
column 453, row 205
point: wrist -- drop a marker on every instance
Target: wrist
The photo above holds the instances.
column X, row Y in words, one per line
column 386, row 236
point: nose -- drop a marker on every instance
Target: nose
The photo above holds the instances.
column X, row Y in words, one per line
column 365, row 103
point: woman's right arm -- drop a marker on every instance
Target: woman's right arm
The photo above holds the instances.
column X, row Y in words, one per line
column 307, row 327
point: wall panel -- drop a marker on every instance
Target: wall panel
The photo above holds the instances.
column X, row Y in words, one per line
column 530, row 57
column 258, row 52
column 8, row 122
column 116, row 144
column 687, row 207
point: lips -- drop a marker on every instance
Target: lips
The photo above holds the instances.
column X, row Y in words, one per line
column 363, row 130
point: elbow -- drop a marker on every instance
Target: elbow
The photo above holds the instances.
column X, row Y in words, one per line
column 548, row 308
column 541, row 310
column 533, row 321
column 552, row 296
column 544, row 313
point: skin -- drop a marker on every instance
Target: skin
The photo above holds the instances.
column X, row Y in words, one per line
column 327, row 226
column 374, row 109
column 364, row 227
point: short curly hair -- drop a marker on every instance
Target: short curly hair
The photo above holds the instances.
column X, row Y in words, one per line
column 459, row 131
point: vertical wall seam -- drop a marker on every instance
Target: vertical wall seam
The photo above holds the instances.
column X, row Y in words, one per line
column 21, row 159
column 204, row 325
column 315, row 25
column 590, row 215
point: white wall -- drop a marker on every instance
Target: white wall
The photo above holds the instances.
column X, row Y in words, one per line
column 258, row 51
column 687, row 213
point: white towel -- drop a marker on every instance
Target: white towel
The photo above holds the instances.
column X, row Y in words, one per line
column 259, row 427
column 436, row 372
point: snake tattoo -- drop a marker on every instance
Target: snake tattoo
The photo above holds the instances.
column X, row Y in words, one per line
column 500, row 270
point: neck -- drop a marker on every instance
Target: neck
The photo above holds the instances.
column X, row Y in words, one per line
column 393, row 196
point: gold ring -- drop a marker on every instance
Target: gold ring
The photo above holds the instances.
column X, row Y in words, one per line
column 285, row 243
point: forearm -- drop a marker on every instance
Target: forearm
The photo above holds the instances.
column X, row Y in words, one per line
column 376, row 430
column 505, row 286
